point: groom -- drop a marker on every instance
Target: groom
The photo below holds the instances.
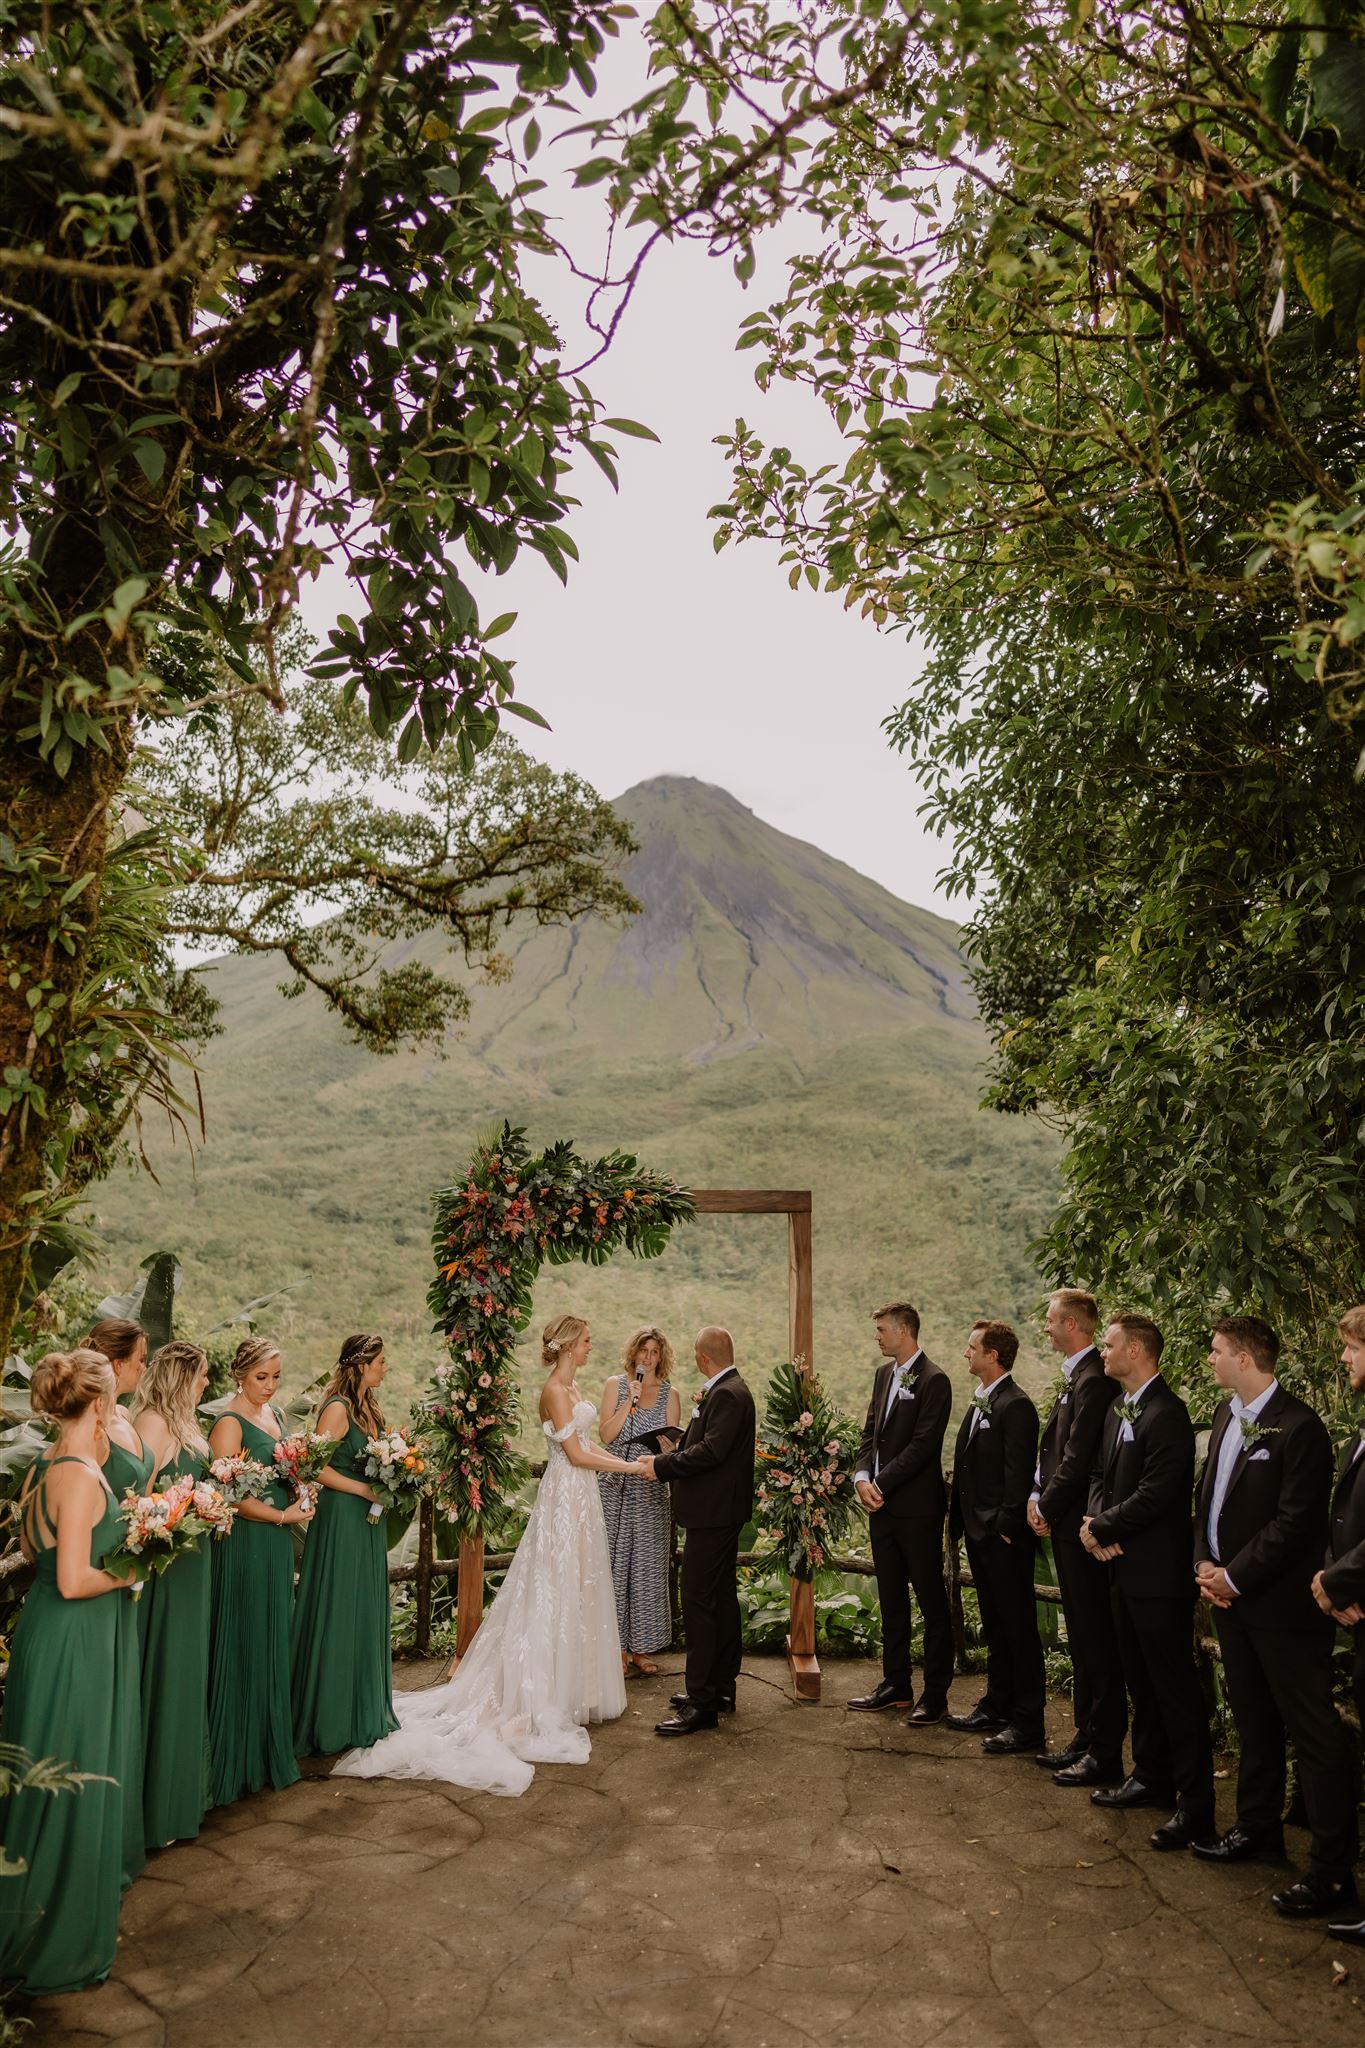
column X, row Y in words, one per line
column 712, row 1475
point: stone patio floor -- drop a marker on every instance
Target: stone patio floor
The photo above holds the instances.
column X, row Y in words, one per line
column 804, row 1876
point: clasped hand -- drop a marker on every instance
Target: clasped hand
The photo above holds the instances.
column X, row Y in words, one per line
column 1101, row 1552
column 1214, row 1584
column 1347, row 1616
column 870, row 1494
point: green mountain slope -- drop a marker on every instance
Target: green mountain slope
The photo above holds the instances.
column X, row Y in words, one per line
column 772, row 1019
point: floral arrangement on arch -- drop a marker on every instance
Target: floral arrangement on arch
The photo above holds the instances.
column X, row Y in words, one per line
column 804, row 1492
column 513, row 1213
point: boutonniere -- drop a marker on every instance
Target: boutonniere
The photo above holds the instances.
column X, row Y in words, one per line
column 1128, row 1410
column 1254, row 1432
column 982, row 1400
column 1055, row 1392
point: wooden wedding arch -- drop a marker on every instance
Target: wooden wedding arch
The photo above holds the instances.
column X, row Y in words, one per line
column 472, row 1562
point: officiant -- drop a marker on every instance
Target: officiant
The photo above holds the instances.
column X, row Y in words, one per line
column 636, row 1404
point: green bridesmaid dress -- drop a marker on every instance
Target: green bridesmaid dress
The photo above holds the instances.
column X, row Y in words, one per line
column 59, row 1919
column 123, row 1470
column 343, row 1665
column 173, row 1631
column 251, row 1742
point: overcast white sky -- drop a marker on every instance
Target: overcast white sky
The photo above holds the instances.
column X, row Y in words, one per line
column 663, row 657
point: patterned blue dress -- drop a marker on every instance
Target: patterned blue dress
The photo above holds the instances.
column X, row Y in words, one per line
column 637, row 1519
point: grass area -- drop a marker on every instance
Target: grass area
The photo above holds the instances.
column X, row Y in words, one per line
column 314, row 1188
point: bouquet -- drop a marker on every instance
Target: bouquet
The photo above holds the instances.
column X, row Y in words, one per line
column 397, row 1471
column 302, row 1459
column 159, row 1527
column 240, row 1478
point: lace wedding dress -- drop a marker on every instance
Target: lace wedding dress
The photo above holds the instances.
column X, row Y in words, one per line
column 546, row 1660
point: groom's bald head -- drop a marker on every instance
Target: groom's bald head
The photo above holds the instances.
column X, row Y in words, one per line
column 715, row 1349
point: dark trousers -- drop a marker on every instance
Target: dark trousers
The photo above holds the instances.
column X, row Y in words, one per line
column 710, row 1605
column 1279, row 1684
column 1171, row 1741
column 909, row 1555
column 1002, row 1574
column 1098, row 1697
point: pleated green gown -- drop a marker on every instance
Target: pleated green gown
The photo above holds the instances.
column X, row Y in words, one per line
column 59, row 1920
column 251, row 1737
column 173, row 1632
column 343, row 1667
column 123, row 1470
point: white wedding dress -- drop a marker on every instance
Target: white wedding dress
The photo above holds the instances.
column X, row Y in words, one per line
column 545, row 1662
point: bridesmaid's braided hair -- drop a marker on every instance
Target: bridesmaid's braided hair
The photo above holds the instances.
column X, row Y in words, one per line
column 167, row 1389
column 252, row 1351
column 345, row 1384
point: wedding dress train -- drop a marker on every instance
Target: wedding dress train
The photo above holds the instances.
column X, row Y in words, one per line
column 545, row 1662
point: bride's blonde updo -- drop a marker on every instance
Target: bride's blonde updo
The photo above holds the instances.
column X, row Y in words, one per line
column 65, row 1383
column 557, row 1336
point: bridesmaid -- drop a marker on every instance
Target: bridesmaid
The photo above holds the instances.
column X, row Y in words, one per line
column 250, row 1725
column 129, row 1464
column 635, row 1402
column 173, row 1612
column 59, row 1927
column 343, row 1669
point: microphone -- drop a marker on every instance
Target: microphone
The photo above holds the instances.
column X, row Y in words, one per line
column 639, row 1382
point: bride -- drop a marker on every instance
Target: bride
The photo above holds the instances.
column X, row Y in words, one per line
column 547, row 1658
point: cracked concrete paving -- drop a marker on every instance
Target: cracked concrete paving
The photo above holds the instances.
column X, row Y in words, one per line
column 804, row 1876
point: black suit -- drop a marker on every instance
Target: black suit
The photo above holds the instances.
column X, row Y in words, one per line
column 993, row 1463
column 1343, row 1578
column 1066, row 1459
column 1276, row 1641
column 712, row 1476
column 903, row 1452
column 1140, row 1497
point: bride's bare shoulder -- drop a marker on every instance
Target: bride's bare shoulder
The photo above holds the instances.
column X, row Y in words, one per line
column 556, row 1402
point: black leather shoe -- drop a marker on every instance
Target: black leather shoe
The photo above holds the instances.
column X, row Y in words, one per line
column 1132, row 1792
column 688, row 1720
column 1061, row 1759
column 881, row 1698
column 1089, row 1770
column 1314, row 1895
column 1241, row 1845
column 1182, row 1831
column 980, row 1721
column 1347, row 1930
column 925, row 1713
column 724, row 1705
column 1012, row 1742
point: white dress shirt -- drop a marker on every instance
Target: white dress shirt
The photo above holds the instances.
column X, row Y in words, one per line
column 899, row 1375
column 1229, row 1450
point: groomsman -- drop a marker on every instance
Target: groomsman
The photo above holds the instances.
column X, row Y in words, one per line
column 899, row 1478
column 1066, row 1459
column 1339, row 1588
column 1139, row 1525
column 997, row 1442
column 1260, row 1524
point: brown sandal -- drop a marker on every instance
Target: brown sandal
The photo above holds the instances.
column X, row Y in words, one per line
column 644, row 1666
